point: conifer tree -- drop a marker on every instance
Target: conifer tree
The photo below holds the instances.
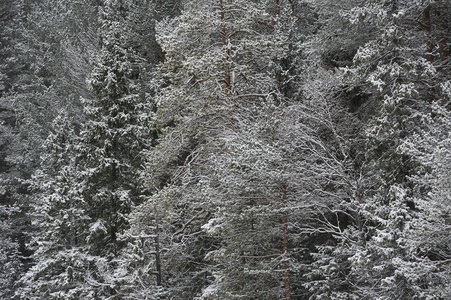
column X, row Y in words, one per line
column 61, row 265
column 220, row 76
column 116, row 131
column 10, row 264
column 388, row 262
column 12, row 221
column 225, row 149
column 91, row 172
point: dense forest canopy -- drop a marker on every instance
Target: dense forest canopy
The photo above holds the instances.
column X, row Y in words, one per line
column 225, row 149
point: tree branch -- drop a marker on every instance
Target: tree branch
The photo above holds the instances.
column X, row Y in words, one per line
column 187, row 224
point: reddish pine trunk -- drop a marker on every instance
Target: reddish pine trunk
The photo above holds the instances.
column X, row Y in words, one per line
column 443, row 49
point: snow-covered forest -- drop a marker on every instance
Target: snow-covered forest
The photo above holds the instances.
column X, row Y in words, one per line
column 225, row 149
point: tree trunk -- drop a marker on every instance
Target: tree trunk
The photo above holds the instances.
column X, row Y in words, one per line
column 292, row 6
column 276, row 11
column 286, row 273
column 426, row 25
column 225, row 43
column 443, row 49
column 157, row 254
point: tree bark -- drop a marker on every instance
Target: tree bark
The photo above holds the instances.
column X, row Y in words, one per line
column 275, row 12
column 443, row 49
column 225, row 43
column 426, row 26
column 157, row 255
column 286, row 265
column 292, row 6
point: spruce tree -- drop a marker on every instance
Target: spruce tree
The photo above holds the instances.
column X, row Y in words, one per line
column 115, row 131
column 88, row 180
column 398, row 77
column 61, row 265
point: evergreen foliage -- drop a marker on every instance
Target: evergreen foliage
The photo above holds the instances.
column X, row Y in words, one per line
column 225, row 149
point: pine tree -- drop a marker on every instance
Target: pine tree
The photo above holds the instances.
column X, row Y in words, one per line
column 209, row 155
column 291, row 149
column 212, row 54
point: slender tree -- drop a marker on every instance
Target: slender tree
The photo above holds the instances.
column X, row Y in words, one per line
column 61, row 266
